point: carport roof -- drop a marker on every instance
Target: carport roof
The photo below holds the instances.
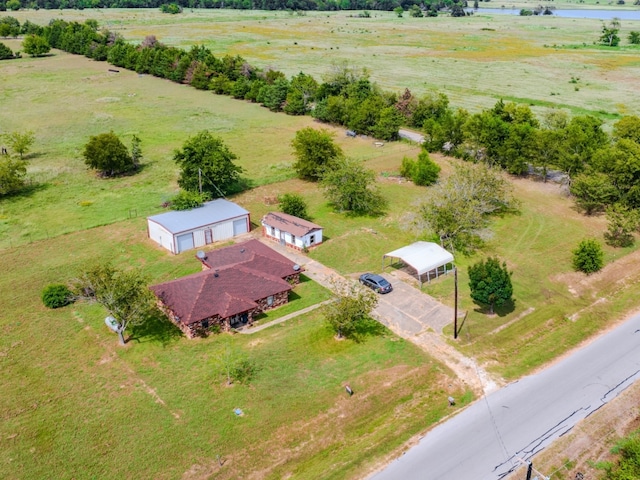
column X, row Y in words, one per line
column 423, row 256
column 208, row 214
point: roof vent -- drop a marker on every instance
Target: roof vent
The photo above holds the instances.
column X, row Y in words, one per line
column 201, row 255
column 296, row 267
column 242, row 250
column 215, row 274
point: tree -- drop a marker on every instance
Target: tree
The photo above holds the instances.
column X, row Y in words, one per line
column 234, row 365
column 12, row 175
column 415, row 11
column 588, row 256
column 388, row 124
column 578, row 141
column 123, row 293
column 9, row 27
column 56, row 296
column 350, row 187
column 107, row 154
column 314, row 150
column 634, row 38
column 5, row 52
column 293, row 204
column 490, row 283
column 352, row 306
column 20, row 143
column 627, row 127
column 185, row 200
column 593, row 192
column 206, row 164
column 622, row 222
column 35, row 45
column 136, row 151
column 458, row 209
column 398, row 11
column 422, row 172
column 609, row 35
column 14, row 5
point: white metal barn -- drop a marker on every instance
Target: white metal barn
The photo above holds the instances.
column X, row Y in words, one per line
column 426, row 258
column 178, row 231
column 291, row 231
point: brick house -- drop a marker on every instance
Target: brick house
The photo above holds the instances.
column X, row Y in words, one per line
column 237, row 283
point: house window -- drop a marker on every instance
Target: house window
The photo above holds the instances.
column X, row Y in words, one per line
column 270, row 300
column 205, row 324
column 273, row 231
column 312, row 239
column 293, row 239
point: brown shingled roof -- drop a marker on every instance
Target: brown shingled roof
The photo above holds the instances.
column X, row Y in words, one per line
column 290, row 224
column 225, row 292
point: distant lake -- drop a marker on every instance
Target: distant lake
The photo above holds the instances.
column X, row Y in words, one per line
column 595, row 14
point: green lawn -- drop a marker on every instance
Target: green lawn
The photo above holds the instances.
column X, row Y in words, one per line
column 76, row 405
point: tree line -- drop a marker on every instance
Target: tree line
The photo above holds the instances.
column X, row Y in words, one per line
column 291, row 5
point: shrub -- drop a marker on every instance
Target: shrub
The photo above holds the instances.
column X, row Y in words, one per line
column 588, row 256
column 56, row 296
column 293, row 204
column 186, row 200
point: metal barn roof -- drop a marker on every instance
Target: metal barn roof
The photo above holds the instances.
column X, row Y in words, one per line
column 423, row 256
column 209, row 213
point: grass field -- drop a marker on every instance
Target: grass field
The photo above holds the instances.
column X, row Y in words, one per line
column 78, row 406
column 474, row 60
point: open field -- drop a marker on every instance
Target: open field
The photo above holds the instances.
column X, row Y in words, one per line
column 76, row 398
column 474, row 60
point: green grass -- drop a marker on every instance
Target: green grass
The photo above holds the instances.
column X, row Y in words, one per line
column 77, row 405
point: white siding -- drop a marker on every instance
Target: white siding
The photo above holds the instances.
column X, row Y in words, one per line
column 185, row 242
column 160, row 235
column 198, row 238
column 222, row 231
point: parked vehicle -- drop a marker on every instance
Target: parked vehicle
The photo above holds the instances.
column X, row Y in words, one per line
column 375, row 282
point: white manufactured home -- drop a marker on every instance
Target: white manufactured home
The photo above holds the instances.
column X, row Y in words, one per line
column 291, row 231
column 178, row 231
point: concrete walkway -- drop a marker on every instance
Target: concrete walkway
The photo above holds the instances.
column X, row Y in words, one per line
column 253, row 329
column 409, row 313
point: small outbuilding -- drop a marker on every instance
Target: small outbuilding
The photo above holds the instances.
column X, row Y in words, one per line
column 291, row 231
column 217, row 220
column 426, row 258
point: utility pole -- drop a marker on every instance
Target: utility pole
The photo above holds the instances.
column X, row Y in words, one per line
column 529, row 469
column 455, row 307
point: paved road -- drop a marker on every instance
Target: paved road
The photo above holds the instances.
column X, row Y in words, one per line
column 486, row 440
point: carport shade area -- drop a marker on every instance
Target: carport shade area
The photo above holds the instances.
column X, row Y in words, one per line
column 426, row 258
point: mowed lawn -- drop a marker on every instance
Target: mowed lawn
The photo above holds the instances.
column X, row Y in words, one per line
column 76, row 405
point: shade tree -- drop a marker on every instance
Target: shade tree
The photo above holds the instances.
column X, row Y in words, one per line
column 588, row 256
column 315, row 151
column 490, row 283
column 349, row 309
column 35, row 45
column 293, row 204
column 108, row 155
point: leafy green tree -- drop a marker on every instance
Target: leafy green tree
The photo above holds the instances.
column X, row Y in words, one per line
column 350, row 187
column 593, row 192
column 20, row 143
column 399, row 11
column 12, row 175
column 186, row 200
column 107, row 154
column 9, row 27
column 206, row 164
column 547, row 149
column 293, row 204
column 490, row 283
column 171, row 8
column 300, row 95
column 578, row 142
column 609, row 35
column 35, row 45
column 136, row 150
column 634, row 38
column 621, row 162
column 123, row 293
column 56, row 296
column 388, row 124
column 424, row 171
column 627, row 465
column 234, row 365
column 622, row 222
column 274, row 96
column 5, row 52
column 315, row 151
column 13, row 5
column 346, row 313
column 458, row 209
column 588, row 257
column 628, row 127
column 415, row 11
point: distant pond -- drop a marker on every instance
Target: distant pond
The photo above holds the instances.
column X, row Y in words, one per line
column 577, row 13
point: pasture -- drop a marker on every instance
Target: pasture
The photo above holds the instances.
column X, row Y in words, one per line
column 78, row 405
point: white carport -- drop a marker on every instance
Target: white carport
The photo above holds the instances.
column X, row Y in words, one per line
column 426, row 258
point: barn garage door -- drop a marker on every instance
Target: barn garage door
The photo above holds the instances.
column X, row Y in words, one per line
column 239, row 226
column 185, row 242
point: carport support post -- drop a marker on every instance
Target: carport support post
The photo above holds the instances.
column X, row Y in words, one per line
column 455, row 304
column 529, row 469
